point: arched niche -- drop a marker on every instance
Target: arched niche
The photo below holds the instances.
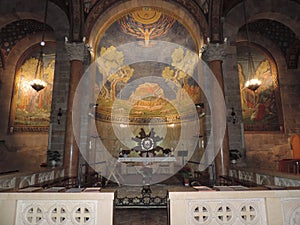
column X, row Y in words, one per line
column 97, row 24
column 30, row 110
column 261, row 109
column 105, row 24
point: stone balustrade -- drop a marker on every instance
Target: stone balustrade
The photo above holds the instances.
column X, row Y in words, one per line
column 265, row 177
column 19, row 180
column 264, row 207
column 90, row 208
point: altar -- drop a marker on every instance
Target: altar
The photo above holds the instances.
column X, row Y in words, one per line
column 147, row 160
column 146, row 163
column 139, row 170
column 159, row 165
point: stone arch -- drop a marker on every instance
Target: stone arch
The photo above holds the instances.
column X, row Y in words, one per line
column 37, row 151
column 262, row 10
column 33, row 46
column 25, row 182
column 266, row 48
column 14, row 11
column 56, row 17
column 273, row 50
column 9, row 72
column 287, row 15
column 102, row 22
column 56, row 20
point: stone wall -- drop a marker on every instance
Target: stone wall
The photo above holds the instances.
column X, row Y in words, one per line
column 25, row 151
column 265, row 149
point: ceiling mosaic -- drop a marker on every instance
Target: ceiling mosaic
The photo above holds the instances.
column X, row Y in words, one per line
column 89, row 4
column 281, row 35
column 147, row 99
column 13, row 32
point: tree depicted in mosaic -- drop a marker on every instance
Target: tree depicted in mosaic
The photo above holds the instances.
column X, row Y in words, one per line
column 111, row 66
column 181, row 73
column 146, row 23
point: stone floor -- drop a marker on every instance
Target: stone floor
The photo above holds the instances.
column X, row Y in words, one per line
column 141, row 217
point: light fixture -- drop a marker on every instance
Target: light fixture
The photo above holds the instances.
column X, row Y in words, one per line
column 38, row 84
column 233, row 116
column 59, row 115
column 252, row 83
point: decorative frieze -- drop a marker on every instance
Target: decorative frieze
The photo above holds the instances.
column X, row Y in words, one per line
column 8, row 183
column 247, row 176
column 26, row 181
column 17, row 181
column 286, row 182
column 263, row 178
column 39, row 129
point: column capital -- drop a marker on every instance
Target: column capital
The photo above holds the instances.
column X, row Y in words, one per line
column 76, row 51
column 214, row 52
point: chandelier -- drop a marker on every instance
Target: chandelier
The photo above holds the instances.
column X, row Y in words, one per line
column 252, row 83
column 38, row 84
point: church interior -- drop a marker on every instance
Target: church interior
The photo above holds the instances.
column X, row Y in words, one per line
column 187, row 110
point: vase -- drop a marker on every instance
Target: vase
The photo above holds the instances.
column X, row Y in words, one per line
column 53, row 163
column 186, row 182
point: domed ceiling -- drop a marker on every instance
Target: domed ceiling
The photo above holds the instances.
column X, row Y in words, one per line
column 142, row 91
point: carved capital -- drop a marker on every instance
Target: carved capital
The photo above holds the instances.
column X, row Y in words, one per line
column 214, row 52
column 76, row 51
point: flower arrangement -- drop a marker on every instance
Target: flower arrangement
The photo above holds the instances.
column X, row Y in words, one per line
column 235, row 155
column 53, row 157
column 186, row 172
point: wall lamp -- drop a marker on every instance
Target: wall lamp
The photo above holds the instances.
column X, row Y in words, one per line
column 59, row 115
column 233, row 117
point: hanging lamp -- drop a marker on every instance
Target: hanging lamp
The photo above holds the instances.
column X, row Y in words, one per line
column 38, row 84
column 252, row 83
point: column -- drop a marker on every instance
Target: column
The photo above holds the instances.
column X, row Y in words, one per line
column 71, row 152
column 214, row 55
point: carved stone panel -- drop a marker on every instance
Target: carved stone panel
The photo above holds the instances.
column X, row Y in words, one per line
column 46, row 212
column 226, row 211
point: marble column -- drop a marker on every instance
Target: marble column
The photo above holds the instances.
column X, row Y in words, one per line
column 214, row 55
column 71, row 153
